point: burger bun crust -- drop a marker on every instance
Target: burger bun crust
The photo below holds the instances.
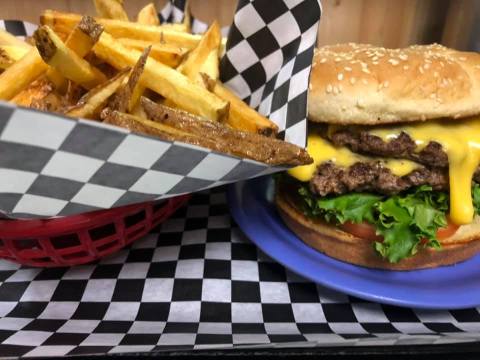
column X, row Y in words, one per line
column 366, row 85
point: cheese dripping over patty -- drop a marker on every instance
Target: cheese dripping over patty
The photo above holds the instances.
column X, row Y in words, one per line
column 460, row 139
column 322, row 150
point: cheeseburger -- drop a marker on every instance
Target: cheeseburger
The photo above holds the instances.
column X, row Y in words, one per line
column 395, row 138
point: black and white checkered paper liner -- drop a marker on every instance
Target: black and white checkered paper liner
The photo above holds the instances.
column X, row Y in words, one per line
column 51, row 165
column 196, row 282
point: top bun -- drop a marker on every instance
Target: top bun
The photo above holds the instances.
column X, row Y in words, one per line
column 364, row 84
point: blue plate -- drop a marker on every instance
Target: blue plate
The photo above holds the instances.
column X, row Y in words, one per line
column 449, row 287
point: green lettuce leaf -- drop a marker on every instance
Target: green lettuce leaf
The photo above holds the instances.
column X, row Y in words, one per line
column 476, row 197
column 349, row 207
column 406, row 221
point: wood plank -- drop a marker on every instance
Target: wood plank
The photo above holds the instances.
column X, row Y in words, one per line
column 459, row 23
column 29, row 10
column 391, row 23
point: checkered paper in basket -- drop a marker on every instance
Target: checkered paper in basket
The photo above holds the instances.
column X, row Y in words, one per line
column 194, row 283
column 51, row 165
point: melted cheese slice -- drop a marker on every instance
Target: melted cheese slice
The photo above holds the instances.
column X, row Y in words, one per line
column 461, row 142
column 322, row 150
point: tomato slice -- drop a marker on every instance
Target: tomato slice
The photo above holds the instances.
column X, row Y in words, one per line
column 367, row 231
column 362, row 230
column 448, row 230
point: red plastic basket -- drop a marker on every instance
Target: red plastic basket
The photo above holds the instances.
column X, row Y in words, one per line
column 83, row 238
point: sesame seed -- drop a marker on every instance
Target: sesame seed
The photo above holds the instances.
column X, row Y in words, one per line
column 375, row 62
column 426, row 66
column 393, row 62
column 421, row 70
column 403, row 57
column 329, row 88
column 340, row 77
column 347, row 68
column 360, row 103
column 385, row 84
column 352, row 80
column 324, row 60
column 365, row 70
column 335, row 90
column 462, row 58
column 338, row 59
column 375, row 58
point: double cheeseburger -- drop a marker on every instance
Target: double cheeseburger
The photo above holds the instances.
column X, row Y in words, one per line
column 395, row 138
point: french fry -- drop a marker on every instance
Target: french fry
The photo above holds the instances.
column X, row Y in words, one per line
column 35, row 90
column 165, row 81
column 196, row 61
column 81, row 40
column 223, row 47
column 231, row 141
column 128, row 97
column 90, row 104
column 41, row 95
column 19, row 75
column 63, row 23
column 144, row 126
column 14, row 52
column 56, row 54
column 148, row 15
column 187, row 18
column 111, row 9
column 9, row 54
column 167, row 54
column 211, row 135
column 210, row 67
column 241, row 116
column 8, row 39
column 84, row 35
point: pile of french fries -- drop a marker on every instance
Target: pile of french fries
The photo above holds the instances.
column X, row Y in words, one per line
column 110, row 68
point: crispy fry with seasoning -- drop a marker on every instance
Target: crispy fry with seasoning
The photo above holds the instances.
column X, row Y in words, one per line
column 148, row 15
column 63, row 24
column 90, row 105
column 128, row 97
column 167, row 54
column 56, row 54
column 111, row 9
column 231, row 141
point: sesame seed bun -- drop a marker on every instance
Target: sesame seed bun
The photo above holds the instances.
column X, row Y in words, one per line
column 363, row 84
column 349, row 248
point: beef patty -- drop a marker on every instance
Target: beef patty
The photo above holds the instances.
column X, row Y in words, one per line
column 402, row 147
column 372, row 176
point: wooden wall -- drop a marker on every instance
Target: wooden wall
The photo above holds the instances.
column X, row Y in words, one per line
column 390, row 23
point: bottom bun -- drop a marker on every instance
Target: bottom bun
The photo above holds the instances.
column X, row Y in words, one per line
column 344, row 246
